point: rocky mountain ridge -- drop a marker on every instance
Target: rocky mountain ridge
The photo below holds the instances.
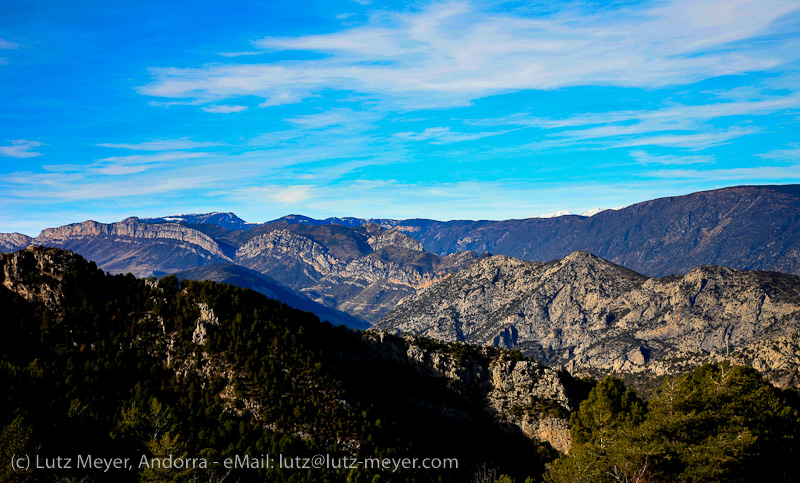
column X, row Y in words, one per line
column 365, row 266
column 130, row 228
column 589, row 314
column 10, row 242
column 742, row 227
column 362, row 271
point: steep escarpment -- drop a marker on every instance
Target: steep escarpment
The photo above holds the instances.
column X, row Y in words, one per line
column 516, row 393
column 143, row 249
column 584, row 312
column 290, row 258
column 130, row 228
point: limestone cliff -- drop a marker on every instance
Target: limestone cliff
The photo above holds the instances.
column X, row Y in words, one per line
column 130, row 228
column 143, row 249
column 587, row 313
column 38, row 274
column 11, row 242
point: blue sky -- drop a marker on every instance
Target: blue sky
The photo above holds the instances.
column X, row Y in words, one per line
column 444, row 110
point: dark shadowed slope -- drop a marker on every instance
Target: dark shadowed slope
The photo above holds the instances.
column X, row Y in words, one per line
column 744, row 227
column 244, row 277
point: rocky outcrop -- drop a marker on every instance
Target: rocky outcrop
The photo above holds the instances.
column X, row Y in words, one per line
column 587, row 313
column 370, row 286
column 262, row 252
column 11, row 242
column 523, row 394
column 37, row 273
column 392, row 237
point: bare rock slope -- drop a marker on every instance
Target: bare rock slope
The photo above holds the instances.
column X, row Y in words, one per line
column 587, row 313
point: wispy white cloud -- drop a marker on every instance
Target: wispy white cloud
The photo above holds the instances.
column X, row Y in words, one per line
column 163, row 145
column 683, row 126
column 444, row 135
column 456, row 52
column 5, row 44
column 20, row 148
column 123, row 165
column 344, row 117
column 224, row 109
column 643, row 157
column 284, row 95
column 701, row 140
column 281, row 194
column 242, row 54
column 791, row 154
column 749, row 175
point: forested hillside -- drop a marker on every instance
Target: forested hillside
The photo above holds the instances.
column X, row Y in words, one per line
column 119, row 367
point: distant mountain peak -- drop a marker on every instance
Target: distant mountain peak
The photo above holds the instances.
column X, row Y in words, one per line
column 593, row 211
column 555, row 214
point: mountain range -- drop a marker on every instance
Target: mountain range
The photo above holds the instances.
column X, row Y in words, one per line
column 355, row 270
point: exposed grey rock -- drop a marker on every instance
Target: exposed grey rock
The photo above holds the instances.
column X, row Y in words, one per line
column 11, row 242
column 37, row 273
column 392, row 237
column 366, row 279
column 587, row 313
column 139, row 248
column 130, row 228
column 283, row 245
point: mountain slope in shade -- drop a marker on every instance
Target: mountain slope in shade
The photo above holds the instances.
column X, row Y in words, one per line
column 244, row 277
column 347, row 221
column 584, row 312
column 744, row 227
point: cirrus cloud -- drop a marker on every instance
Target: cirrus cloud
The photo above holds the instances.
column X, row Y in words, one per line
column 20, row 148
column 456, row 52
